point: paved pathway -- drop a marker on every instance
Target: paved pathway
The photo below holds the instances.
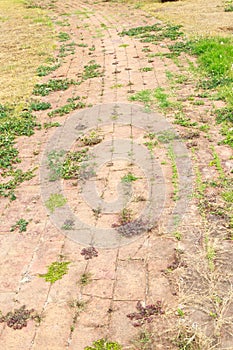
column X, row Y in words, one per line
column 120, row 277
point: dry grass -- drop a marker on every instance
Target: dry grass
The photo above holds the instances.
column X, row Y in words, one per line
column 26, row 42
column 197, row 16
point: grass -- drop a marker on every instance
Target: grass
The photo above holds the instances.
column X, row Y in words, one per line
column 22, row 53
column 55, row 271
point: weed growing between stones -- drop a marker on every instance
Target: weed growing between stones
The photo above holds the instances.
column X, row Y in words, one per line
column 55, row 200
column 56, row 271
column 21, row 225
column 89, row 253
column 103, row 344
column 19, row 317
column 145, row 313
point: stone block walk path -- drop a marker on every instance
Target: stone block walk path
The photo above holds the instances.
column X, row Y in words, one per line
column 92, row 300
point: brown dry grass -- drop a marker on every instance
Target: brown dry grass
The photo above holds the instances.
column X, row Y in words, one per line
column 26, row 42
column 197, row 16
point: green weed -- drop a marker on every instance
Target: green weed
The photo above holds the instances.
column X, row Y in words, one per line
column 146, row 69
column 39, row 106
column 85, row 279
column 93, row 138
column 129, row 178
column 45, row 70
column 91, row 70
column 63, row 36
column 55, row 271
column 175, row 183
column 67, row 49
column 67, row 108
column 103, row 344
column 51, row 125
column 21, row 224
column 154, row 33
column 52, row 85
column 55, row 200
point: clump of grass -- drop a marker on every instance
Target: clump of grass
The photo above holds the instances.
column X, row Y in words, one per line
column 55, row 200
column 56, row 271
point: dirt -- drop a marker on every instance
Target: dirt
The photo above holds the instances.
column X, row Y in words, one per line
column 187, row 269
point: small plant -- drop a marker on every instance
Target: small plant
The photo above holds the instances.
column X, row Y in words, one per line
column 63, row 36
column 89, row 253
column 51, row 125
column 133, row 228
column 103, row 344
column 45, row 70
column 125, row 216
column 85, row 279
column 91, row 70
column 129, row 178
column 21, row 224
column 72, row 166
column 175, row 183
column 145, row 313
column 82, row 45
column 67, row 108
column 55, row 200
column 93, row 138
column 55, row 271
column 52, row 85
column 39, row 106
column 68, row 224
column 67, row 49
column 19, row 318
column 146, row 69
column 228, row 6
